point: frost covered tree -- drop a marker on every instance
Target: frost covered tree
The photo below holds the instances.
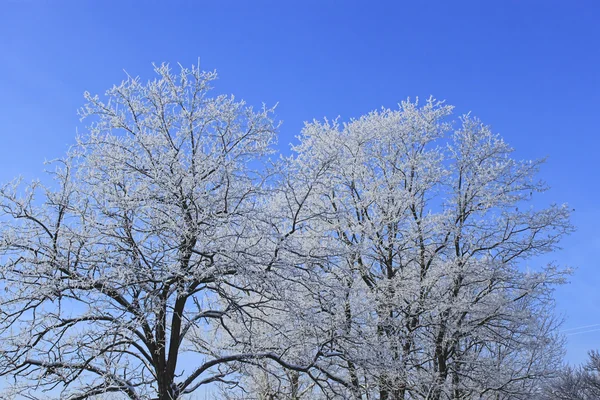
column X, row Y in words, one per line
column 386, row 259
column 408, row 244
column 142, row 250
column 576, row 383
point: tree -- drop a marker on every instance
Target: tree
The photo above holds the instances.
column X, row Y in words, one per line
column 408, row 242
column 142, row 250
column 579, row 383
column 383, row 260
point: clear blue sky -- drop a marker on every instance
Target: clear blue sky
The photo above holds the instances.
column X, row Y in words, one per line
column 528, row 68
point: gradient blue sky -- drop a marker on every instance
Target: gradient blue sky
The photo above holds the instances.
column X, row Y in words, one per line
column 528, row 68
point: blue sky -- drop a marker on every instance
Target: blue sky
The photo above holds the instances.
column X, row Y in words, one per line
column 528, row 68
